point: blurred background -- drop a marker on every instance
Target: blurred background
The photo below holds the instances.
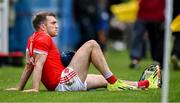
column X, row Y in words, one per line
column 79, row 21
column 120, row 25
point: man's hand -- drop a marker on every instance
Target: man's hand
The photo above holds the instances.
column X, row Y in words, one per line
column 12, row 89
column 31, row 90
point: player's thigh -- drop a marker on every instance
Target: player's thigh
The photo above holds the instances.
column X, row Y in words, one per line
column 81, row 57
column 81, row 60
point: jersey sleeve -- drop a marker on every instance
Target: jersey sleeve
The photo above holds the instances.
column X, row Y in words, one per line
column 43, row 45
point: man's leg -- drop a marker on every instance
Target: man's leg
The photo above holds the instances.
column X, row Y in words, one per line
column 156, row 38
column 176, row 51
column 87, row 53
column 95, row 81
column 137, row 41
column 91, row 52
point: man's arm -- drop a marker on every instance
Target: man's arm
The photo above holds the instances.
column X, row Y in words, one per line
column 25, row 75
column 24, row 78
column 37, row 73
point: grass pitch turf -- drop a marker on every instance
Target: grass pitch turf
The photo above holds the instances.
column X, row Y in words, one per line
column 118, row 62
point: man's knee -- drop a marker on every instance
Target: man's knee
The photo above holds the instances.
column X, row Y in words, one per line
column 92, row 43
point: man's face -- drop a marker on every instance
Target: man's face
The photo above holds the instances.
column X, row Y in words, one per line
column 51, row 26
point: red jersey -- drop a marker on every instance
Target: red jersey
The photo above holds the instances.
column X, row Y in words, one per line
column 42, row 43
column 152, row 10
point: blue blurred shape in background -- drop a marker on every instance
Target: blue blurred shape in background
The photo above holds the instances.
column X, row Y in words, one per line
column 68, row 33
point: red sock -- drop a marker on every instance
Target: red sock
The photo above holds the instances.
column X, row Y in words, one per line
column 112, row 79
column 143, row 84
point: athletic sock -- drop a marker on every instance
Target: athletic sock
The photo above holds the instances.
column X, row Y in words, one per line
column 143, row 84
column 110, row 77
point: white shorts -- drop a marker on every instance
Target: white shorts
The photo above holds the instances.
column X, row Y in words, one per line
column 70, row 81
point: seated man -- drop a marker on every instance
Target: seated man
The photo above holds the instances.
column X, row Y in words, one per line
column 43, row 59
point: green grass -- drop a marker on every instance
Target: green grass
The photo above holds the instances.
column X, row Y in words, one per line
column 118, row 62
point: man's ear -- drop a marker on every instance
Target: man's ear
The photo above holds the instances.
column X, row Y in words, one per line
column 42, row 26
